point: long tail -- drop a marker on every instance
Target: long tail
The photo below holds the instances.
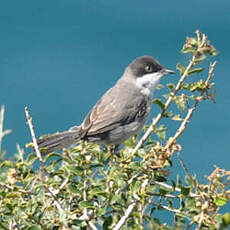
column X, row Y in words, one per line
column 59, row 140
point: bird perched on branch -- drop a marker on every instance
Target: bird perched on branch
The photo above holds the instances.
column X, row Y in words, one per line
column 120, row 113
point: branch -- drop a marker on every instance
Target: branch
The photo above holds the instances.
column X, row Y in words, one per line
column 5, row 132
column 200, row 221
column 163, row 195
column 191, row 110
column 92, row 226
column 55, row 199
column 167, row 104
column 126, row 216
column 164, row 185
column 129, row 182
column 30, row 124
column 171, row 209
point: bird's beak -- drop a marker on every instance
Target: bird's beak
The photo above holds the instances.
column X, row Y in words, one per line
column 167, row 71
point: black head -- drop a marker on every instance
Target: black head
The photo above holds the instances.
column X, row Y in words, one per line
column 145, row 65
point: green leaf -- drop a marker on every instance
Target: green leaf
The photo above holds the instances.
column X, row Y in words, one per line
column 73, row 189
column 159, row 102
column 50, row 155
column 185, row 86
column 171, row 86
column 76, row 170
column 7, row 164
column 107, row 222
column 98, row 192
column 163, row 191
column 220, row 201
column 182, row 205
column 13, row 195
column 34, row 227
column 173, row 185
column 193, row 41
column 197, row 70
column 136, row 187
column 161, row 132
column 168, row 113
column 180, row 102
column 201, row 57
column 134, row 165
column 190, row 180
column 197, row 86
column 101, row 211
column 226, row 218
column 185, row 190
column 188, row 49
column 76, row 227
column 159, row 178
column 31, row 158
column 190, row 203
column 115, row 198
column 3, row 226
column 181, row 68
column 177, row 118
column 86, row 204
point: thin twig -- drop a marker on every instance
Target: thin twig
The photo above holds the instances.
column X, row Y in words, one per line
column 63, row 184
column 171, row 209
column 6, row 186
column 211, row 72
column 5, row 132
column 163, row 195
column 56, row 191
column 200, row 221
column 85, row 212
column 128, row 183
column 182, row 126
column 55, row 199
column 92, row 226
column 167, row 104
column 87, row 215
column 126, row 216
column 190, row 225
column 184, row 166
column 169, row 187
column 35, row 144
column 20, row 151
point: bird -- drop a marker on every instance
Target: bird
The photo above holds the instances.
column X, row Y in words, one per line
column 120, row 113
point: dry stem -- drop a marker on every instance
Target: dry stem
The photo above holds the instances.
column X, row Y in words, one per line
column 30, row 124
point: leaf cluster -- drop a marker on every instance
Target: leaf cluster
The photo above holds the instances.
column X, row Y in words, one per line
column 88, row 187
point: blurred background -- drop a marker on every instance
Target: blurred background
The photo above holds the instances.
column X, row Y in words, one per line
column 59, row 57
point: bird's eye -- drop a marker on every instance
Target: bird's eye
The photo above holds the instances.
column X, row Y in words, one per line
column 148, row 68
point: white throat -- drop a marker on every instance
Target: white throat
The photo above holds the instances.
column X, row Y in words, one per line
column 148, row 83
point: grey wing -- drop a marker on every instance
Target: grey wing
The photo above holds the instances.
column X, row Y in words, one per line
column 113, row 110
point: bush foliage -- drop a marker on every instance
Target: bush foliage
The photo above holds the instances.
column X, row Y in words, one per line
column 87, row 187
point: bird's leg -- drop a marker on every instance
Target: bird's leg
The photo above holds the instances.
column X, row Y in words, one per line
column 116, row 150
column 113, row 150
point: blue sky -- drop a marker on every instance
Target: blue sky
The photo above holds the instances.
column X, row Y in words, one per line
column 59, row 57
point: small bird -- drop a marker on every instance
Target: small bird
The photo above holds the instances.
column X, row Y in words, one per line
column 120, row 113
